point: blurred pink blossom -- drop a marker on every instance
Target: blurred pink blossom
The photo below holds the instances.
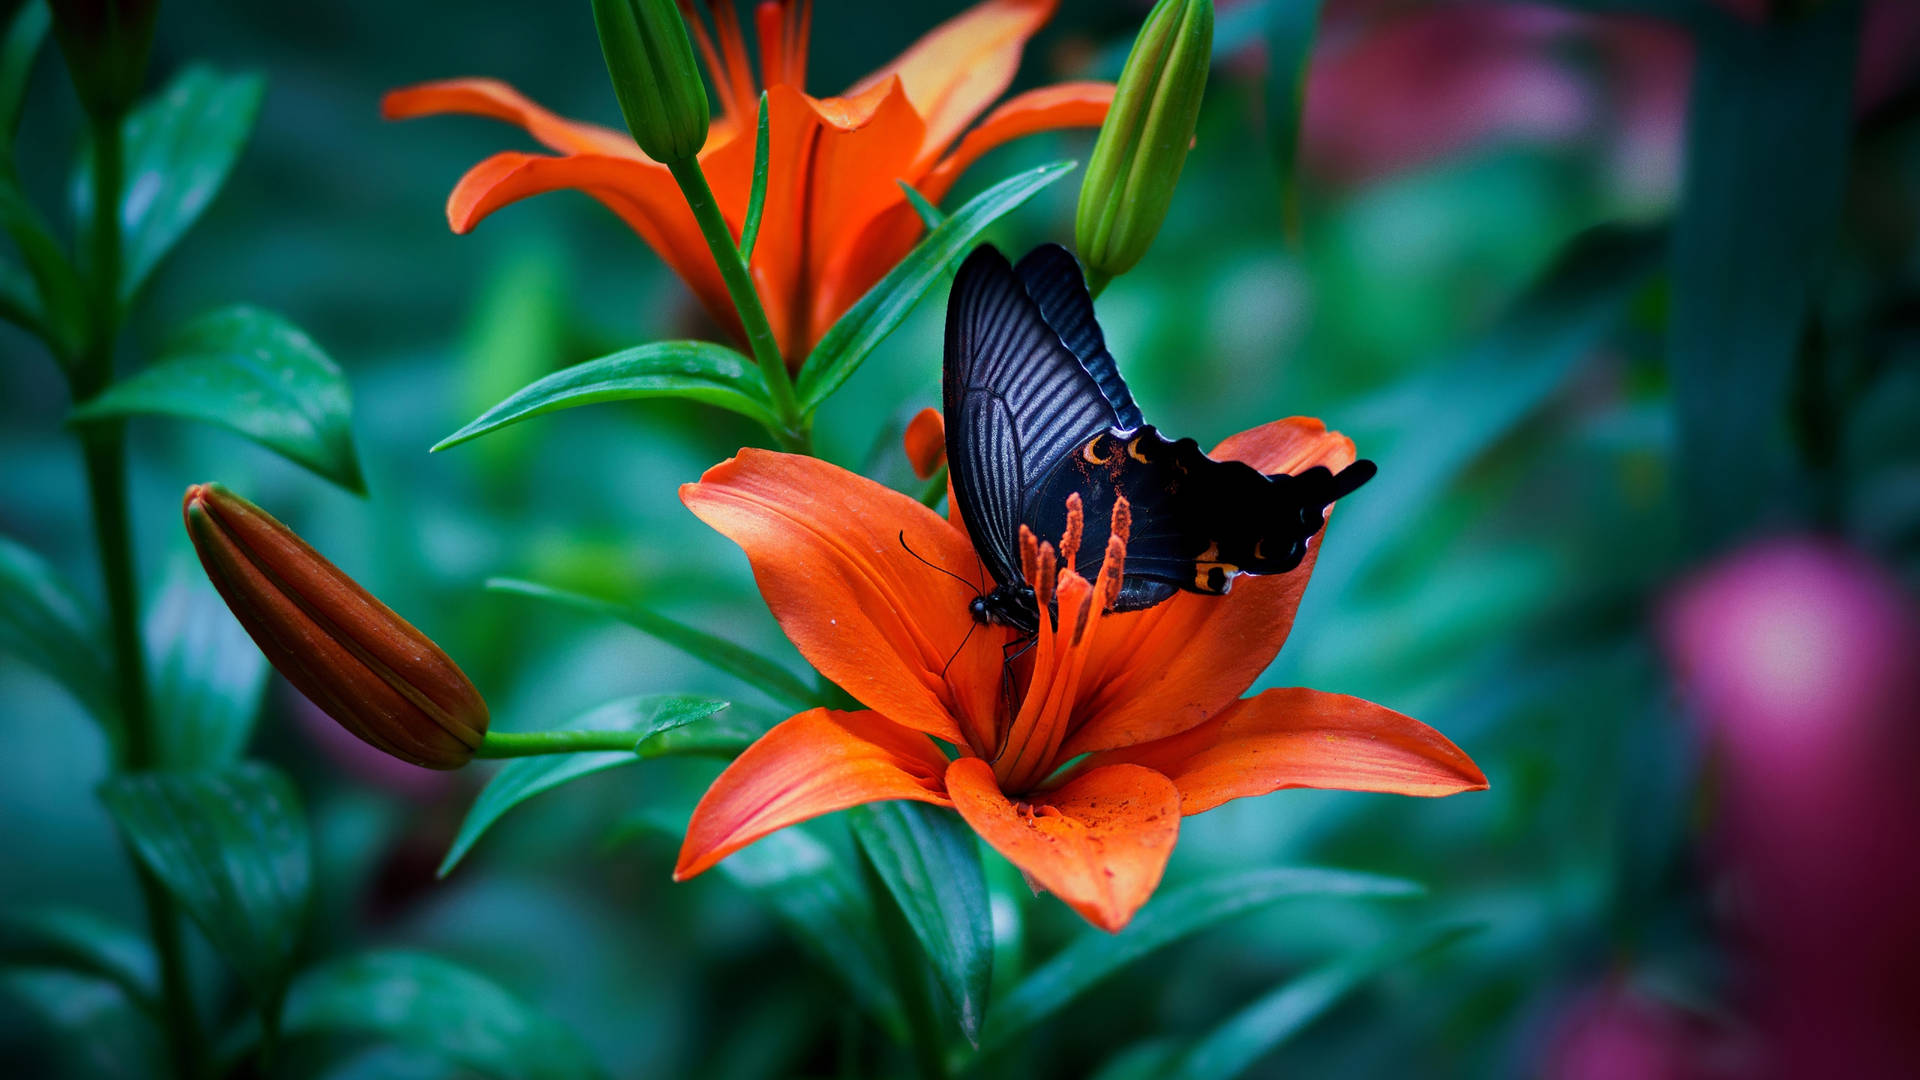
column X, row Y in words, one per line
column 1802, row 661
column 1613, row 1031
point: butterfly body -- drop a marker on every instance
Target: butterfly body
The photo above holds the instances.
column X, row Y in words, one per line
column 1037, row 413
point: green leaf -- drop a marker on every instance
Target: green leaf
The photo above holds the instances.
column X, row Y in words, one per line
column 930, row 215
column 422, row 1002
column 930, row 862
column 205, row 676
column 43, row 624
column 1490, row 389
column 822, row 903
column 1168, row 918
column 252, row 372
column 18, row 49
column 869, row 321
column 696, row 370
column 1291, row 27
column 524, row 778
column 757, row 194
column 180, row 145
column 231, row 846
column 1232, row 1048
column 754, row 670
column 1767, row 157
column 61, row 306
column 81, row 942
column 94, row 1032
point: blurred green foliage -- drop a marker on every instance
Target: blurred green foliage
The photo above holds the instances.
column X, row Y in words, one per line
column 1498, row 327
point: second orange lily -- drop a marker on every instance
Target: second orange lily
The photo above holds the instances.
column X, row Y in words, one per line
column 1119, row 725
column 835, row 220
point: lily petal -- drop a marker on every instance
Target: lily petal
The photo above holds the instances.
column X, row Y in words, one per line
column 954, row 72
column 811, row 764
column 1299, row 738
column 493, row 98
column 642, row 193
column 926, row 443
column 1158, row 672
column 1100, row 842
column 825, row 545
column 1077, row 104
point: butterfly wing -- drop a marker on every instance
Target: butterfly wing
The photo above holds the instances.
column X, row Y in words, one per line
column 1053, row 279
column 1197, row 523
column 1017, row 402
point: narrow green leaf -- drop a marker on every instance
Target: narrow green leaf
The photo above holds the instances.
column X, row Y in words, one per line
column 722, row 735
column 696, row 370
column 252, row 372
column 231, row 846
column 930, row 215
column 19, row 302
column 754, row 670
column 422, row 1002
column 43, row 624
column 18, row 49
column 524, row 778
column 1291, row 28
column 205, row 676
column 1168, row 918
column 757, row 194
column 822, row 904
column 61, row 305
column 868, row 322
column 930, row 861
column 180, row 145
column 1489, row 389
column 1770, row 119
column 1232, row 1048
column 69, row 939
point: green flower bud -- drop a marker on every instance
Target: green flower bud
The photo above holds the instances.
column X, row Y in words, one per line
column 654, row 76
column 363, row 665
column 1144, row 142
column 105, row 43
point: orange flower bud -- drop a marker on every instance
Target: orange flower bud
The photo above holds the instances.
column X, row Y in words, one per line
column 347, row 652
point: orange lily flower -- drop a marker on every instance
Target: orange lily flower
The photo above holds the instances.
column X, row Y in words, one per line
column 1151, row 698
column 835, row 219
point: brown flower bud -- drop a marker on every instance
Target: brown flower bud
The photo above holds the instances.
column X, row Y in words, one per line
column 347, row 652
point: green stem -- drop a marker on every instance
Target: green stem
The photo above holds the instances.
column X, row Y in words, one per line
column 1097, row 282
column 936, row 488
column 105, row 451
column 753, row 317
column 511, row 744
column 909, row 975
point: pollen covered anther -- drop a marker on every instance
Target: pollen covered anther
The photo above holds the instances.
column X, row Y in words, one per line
column 1070, row 539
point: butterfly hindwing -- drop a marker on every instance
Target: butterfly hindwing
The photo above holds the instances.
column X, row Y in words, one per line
column 1197, row 523
column 1017, row 402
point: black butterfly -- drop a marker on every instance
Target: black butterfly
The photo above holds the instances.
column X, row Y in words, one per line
column 1036, row 410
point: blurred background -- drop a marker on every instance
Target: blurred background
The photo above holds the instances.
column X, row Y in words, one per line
column 1632, row 332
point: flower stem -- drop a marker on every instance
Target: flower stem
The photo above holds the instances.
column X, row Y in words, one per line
column 511, row 744
column 794, row 434
column 104, row 448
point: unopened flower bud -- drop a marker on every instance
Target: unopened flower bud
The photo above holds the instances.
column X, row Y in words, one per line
column 363, row 665
column 105, row 43
column 654, row 76
column 1143, row 144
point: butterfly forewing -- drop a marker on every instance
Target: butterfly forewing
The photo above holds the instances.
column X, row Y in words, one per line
column 1018, row 402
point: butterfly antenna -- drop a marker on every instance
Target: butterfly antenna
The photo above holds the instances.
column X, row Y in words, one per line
column 942, row 569
column 958, row 651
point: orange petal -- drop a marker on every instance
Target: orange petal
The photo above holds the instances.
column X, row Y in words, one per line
column 810, row 764
column 961, row 66
column 1163, row 670
column 1076, row 104
column 641, row 192
column 1099, row 842
column 491, row 97
column 1303, row 738
column 926, row 443
column 825, row 546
